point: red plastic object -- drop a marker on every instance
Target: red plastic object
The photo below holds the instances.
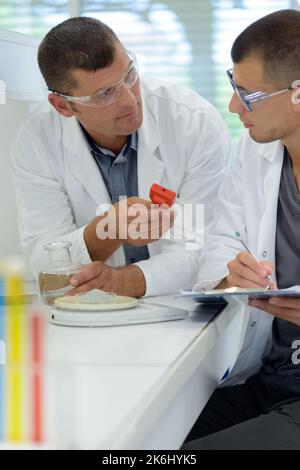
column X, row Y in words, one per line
column 160, row 195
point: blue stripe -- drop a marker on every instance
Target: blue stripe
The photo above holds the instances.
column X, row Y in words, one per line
column 2, row 326
column 1, row 308
column 1, row 402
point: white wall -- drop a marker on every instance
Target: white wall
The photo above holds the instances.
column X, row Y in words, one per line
column 24, row 85
column 12, row 115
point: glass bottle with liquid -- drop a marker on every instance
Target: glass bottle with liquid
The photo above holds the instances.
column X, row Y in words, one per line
column 54, row 280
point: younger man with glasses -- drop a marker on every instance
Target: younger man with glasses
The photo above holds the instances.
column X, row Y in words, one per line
column 108, row 136
column 261, row 200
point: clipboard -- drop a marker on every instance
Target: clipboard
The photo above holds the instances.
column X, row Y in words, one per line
column 238, row 294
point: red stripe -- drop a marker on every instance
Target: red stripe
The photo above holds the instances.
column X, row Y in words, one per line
column 36, row 325
column 37, row 407
column 37, row 389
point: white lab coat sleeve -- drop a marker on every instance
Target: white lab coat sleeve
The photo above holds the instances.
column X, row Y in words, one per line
column 220, row 242
column 207, row 155
column 161, row 271
column 44, row 211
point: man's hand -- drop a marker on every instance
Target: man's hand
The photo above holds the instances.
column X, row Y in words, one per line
column 284, row 307
column 132, row 220
column 136, row 221
column 128, row 280
column 246, row 271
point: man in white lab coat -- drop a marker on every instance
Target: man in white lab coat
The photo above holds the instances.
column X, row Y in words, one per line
column 260, row 199
column 106, row 135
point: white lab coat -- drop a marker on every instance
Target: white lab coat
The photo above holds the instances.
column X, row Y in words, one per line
column 183, row 144
column 247, row 203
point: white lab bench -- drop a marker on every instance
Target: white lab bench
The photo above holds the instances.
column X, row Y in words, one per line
column 138, row 386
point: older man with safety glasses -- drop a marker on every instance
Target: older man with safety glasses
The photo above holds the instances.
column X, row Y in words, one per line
column 91, row 157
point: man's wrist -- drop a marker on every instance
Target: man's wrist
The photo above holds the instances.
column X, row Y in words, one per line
column 131, row 281
column 223, row 284
column 99, row 250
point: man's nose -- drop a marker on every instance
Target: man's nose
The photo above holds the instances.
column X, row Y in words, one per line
column 126, row 97
column 235, row 105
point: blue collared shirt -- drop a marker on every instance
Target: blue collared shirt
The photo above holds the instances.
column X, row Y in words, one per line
column 119, row 173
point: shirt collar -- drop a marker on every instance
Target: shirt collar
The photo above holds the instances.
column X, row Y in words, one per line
column 132, row 143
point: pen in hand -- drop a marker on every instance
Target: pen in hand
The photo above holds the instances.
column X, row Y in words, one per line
column 238, row 235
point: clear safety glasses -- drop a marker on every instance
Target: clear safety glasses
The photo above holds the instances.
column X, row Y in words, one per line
column 110, row 94
column 249, row 98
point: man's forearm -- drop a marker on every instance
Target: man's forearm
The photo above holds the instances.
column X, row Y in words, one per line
column 99, row 250
column 131, row 281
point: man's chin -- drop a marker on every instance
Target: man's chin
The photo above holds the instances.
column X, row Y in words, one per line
column 261, row 139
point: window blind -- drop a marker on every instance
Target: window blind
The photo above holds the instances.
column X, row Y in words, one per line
column 184, row 41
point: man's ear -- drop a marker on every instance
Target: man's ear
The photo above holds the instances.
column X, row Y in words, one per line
column 60, row 104
column 296, row 95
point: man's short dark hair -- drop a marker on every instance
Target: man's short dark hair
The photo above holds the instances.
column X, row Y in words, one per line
column 79, row 42
column 275, row 40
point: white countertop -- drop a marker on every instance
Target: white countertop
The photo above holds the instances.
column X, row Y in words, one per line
column 136, row 386
column 121, row 387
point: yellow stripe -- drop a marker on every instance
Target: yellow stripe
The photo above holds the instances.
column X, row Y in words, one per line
column 14, row 408
column 14, row 334
column 15, row 387
column 14, row 286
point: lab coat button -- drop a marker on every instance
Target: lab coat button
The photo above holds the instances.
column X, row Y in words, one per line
column 264, row 253
column 253, row 323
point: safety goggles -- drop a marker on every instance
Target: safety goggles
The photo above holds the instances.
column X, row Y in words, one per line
column 110, row 94
column 247, row 98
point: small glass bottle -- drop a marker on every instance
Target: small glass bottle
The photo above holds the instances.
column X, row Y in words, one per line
column 54, row 280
